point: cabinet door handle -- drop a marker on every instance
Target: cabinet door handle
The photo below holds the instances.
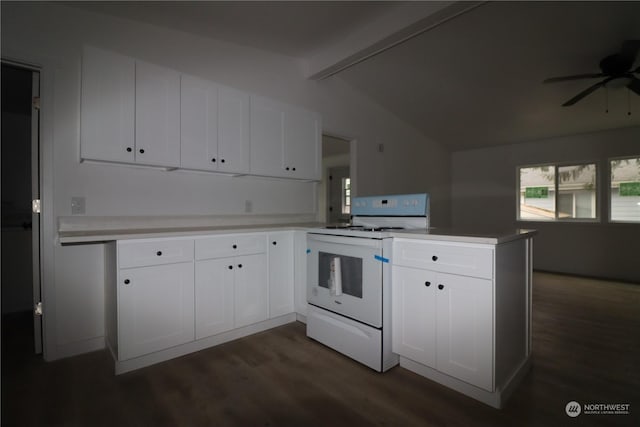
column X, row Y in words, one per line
column 435, row 258
column 222, row 160
column 440, row 287
column 287, row 168
column 129, row 149
column 213, row 160
column 159, row 253
column 274, row 243
column 293, row 169
column 142, row 151
column 235, row 246
column 231, row 267
column 127, row 281
column 427, row 284
column 239, row 265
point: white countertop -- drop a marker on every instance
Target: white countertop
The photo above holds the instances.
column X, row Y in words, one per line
column 103, row 229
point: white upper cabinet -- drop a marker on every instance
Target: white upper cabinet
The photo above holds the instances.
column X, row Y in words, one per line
column 301, row 151
column 285, row 141
column 234, row 141
column 107, row 106
column 198, row 124
column 157, row 115
column 214, row 127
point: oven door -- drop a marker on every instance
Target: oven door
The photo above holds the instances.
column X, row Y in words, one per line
column 344, row 275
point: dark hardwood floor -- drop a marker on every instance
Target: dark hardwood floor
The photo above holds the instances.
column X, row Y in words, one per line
column 586, row 343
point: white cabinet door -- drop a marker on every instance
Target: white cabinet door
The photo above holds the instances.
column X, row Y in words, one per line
column 280, row 273
column 267, row 134
column 251, row 296
column 155, row 308
column 107, row 106
column 157, row 115
column 233, row 131
column 414, row 314
column 300, row 271
column 198, row 124
column 285, row 140
column 302, row 144
column 214, row 296
column 465, row 329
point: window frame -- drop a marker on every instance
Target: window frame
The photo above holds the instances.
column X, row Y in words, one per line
column 610, row 194
column 556, row 166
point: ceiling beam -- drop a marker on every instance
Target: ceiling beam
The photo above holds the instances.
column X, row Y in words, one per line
column 397, row 26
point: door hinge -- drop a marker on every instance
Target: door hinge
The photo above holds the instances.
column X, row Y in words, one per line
column 36, row 206
column 37, row 310
column 36, row 102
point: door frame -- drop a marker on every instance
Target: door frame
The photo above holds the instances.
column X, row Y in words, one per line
column 41, row 186
column 353, row 170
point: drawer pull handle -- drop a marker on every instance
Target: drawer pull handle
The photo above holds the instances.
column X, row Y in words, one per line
column 231, row 267
column 435, row 258
column 159, row 253
column 129, row 149
column 235, row 246
column 440, row 287
column 427, row 284
column 142, row 151
column 239, row 265
column 127, row 281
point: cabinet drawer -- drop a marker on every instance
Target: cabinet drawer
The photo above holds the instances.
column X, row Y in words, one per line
column 232, row 245
column 445, row 257
column 140, row 254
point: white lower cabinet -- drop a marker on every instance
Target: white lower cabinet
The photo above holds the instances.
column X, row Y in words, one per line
column 444, row 321
column 281, row 273
column 155, row 308
column 251, row 290
column 214, row 297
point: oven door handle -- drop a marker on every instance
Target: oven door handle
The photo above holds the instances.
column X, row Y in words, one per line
column 351, row 241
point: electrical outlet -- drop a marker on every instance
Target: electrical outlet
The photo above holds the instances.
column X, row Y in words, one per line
column 248, row 206
column 77, row 206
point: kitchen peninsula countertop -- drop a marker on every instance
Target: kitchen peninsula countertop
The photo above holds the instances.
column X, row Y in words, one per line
column 492, row 237
column 102, row 229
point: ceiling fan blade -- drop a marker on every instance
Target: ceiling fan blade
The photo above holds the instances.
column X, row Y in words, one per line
column 586, row 92
column 576, row 77
column 634, row 85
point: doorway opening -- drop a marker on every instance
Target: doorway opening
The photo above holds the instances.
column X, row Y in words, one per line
column 20, row 251
column 337, row 183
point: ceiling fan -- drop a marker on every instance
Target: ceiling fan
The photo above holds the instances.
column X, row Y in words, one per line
column 616, row 67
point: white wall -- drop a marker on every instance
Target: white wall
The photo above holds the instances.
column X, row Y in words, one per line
column 52, row 35
column 485, row 196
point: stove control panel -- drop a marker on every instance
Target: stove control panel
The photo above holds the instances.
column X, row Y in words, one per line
column 392, row 205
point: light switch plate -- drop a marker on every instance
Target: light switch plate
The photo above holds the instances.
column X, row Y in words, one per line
column 77, row 206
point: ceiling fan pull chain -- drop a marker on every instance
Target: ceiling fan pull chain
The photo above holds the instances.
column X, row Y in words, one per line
column 606, row 99
column 628, row 102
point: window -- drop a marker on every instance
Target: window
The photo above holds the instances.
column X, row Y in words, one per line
column 346, row 195
column 552, row 192
column 625, row 190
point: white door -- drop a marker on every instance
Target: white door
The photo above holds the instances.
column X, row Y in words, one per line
column 302, row 136
column 156, row 308
column 251, row 296
column 107, row 106
column 266, row 137
column 214, row 296
column 157, row 115
column 281, row 273
column 414, row 314
column 465, row 329
column 198, row 124
column 233, row 130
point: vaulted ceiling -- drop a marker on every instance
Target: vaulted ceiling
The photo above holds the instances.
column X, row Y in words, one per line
column 468, row 74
